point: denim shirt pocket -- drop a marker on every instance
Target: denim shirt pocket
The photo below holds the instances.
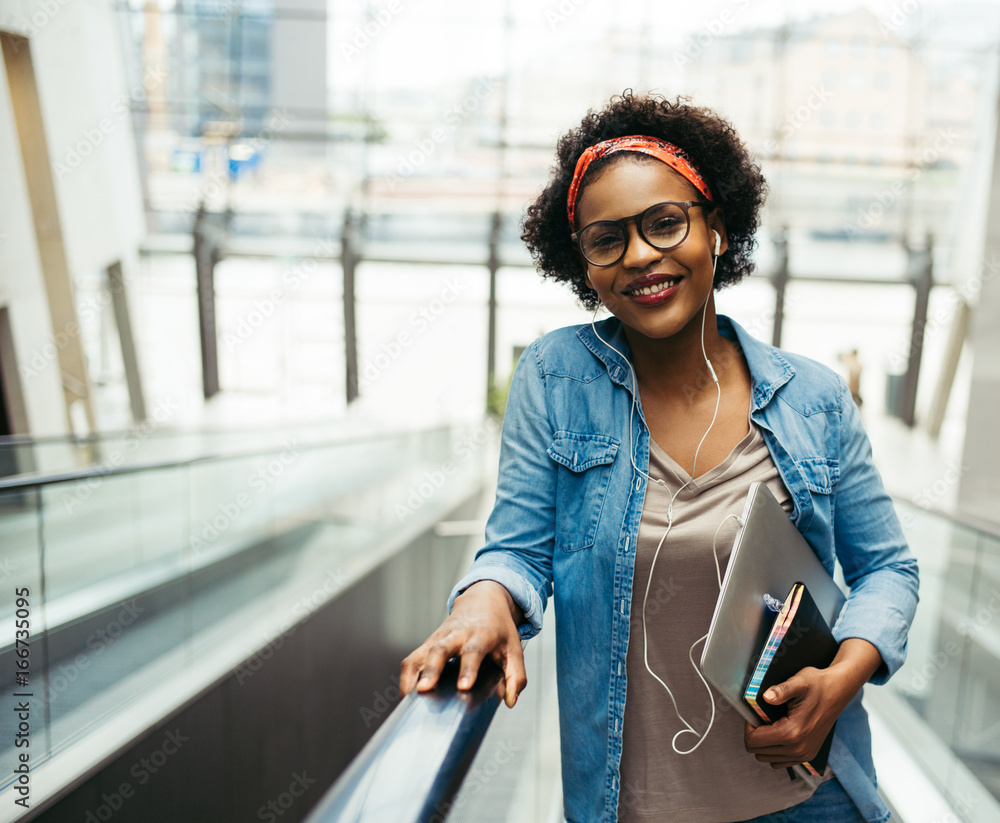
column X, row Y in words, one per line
column 820, row 474
column 585, row 462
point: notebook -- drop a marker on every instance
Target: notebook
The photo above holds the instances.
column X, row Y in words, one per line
column 799, row 638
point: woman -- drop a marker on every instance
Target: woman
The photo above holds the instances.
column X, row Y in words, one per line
column 634, row 440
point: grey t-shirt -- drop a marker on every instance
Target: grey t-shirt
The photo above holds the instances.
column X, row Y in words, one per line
column 720, row 781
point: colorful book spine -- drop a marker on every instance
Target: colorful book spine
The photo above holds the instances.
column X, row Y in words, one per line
column 778, row 631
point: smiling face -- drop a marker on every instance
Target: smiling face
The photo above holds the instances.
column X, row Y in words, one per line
column 655, row 293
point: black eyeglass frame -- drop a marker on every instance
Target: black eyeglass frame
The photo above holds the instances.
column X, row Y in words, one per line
column 685, row 205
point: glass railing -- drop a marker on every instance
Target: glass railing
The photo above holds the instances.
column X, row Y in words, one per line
column 158, row 439
column 116, row 582
column 944, row 703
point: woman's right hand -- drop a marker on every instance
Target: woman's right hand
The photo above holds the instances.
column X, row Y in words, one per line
column 483, row 621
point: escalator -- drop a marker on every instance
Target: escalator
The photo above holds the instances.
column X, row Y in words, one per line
column 204, row 627
column 216, row 629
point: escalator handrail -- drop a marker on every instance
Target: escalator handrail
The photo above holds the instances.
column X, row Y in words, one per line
column 412, row 768
column 155, row 431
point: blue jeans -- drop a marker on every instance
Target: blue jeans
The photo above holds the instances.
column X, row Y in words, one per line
column 829, row 804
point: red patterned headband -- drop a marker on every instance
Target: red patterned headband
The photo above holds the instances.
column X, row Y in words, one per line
column 670, row 154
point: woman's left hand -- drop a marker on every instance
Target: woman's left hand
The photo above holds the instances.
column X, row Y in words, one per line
column 815, row 698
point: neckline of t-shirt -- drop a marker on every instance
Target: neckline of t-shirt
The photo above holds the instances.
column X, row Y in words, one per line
column 713, row 475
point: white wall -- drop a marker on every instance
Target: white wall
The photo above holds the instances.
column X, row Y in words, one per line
column 85, row 107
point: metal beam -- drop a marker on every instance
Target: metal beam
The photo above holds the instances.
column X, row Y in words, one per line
column 780, row 282
column 349, row 259
column 25, row 104
column 922, row 277
column 133, row 377
column 493, row 263
column 952, row 355
column 206, row 255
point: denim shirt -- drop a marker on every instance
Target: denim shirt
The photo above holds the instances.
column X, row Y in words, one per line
column 567, row 515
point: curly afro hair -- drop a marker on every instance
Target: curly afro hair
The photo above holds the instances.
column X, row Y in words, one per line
column 732, row 176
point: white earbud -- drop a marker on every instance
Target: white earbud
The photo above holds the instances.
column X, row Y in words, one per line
column 718, row 242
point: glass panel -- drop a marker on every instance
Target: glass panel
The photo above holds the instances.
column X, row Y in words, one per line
column 89, row 533
column 22, row 629
column 976, row 737
column 945, row 553
column 952, row 673
column 114, row 592
column 154, row 578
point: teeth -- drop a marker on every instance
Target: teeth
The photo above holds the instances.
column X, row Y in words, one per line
column 656, row 289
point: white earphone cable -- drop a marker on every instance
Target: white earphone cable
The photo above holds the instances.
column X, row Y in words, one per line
column 670, row 521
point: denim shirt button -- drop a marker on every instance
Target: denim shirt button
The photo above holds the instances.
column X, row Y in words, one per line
column 638, row 483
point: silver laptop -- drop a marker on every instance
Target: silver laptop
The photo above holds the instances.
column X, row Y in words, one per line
column 768, row 557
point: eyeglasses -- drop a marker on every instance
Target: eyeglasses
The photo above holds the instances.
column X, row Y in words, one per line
column 663, row 226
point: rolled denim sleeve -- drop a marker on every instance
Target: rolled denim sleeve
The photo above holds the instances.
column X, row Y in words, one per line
column 520, row 532
column 872, row 550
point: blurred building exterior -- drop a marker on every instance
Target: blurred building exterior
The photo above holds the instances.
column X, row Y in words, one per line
column 840, row 102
